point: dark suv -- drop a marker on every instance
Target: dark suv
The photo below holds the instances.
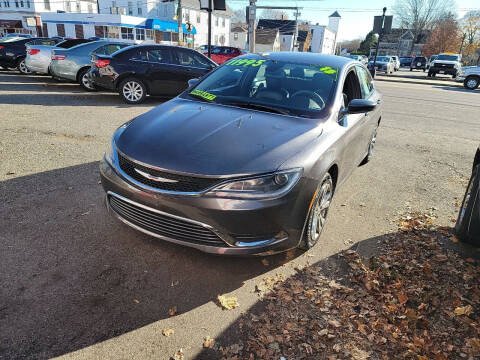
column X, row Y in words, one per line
column 419, row 63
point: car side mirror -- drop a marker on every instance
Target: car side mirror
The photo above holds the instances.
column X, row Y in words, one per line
column 359, row 106
column 193, row 82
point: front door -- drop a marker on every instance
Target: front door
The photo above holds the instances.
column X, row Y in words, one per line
column 162, row 74
column 189, row 65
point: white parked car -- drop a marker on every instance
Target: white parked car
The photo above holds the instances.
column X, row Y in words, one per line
column 396, row 62
column 470, row 76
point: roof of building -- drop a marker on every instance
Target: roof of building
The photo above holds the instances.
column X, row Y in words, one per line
column 335, row 14
column 285, row 27
column 239, row 27
column 266, row 36
column 195, row 4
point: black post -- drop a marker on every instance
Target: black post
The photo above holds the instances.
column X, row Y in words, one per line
column 210, row 28
column 373, row 71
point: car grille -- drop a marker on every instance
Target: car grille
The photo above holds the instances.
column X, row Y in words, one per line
column 180, row 183
column 164, row 225
column 445, row 66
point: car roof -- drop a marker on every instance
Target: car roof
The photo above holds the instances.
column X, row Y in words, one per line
column 306, row 58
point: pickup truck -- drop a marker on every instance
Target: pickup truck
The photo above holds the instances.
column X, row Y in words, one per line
column 445, row 63
column 470, row 76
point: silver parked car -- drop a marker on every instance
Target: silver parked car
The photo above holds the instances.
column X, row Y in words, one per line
column 396, row 63
column 39, row 56
column 74, row 63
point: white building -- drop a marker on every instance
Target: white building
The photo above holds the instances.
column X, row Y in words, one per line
column 324, row 38
column 23, row 16
column 239, row 36
column 165, row 11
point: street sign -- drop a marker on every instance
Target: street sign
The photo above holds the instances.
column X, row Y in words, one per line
column 387, row 25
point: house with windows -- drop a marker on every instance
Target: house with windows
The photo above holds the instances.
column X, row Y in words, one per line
column 286, row 30
column 399, row 42
column 166, row 11
column 239, row 36
column 324, row 37
column 267, row 40
column 24, row 16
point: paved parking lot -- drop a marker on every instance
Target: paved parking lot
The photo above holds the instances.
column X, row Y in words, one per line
column 76, row 282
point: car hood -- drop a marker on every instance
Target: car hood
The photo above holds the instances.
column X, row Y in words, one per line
column 200, row 138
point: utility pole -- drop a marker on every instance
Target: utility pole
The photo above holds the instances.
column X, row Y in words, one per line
column 373, row 71
column 252, row 15
column 180, row 22
column 295, row 36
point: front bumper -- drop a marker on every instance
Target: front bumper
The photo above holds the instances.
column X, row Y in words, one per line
column 442, row 70
column 242, row 227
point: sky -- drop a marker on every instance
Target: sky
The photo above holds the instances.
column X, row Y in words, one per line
column 357, row 16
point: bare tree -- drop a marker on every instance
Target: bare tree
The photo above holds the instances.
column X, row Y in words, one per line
column 420, row 15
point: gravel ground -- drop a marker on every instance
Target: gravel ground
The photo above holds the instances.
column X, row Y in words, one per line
column 77, row 283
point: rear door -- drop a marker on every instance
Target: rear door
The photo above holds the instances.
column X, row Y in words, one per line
column 162, row 74
column 189, row 65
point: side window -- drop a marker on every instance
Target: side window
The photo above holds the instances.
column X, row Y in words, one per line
column 100, row 50
column 366, row 82
column 161, row 56
column 139, row 54
column 190, row 58
column 351, row 88
column 110, row 49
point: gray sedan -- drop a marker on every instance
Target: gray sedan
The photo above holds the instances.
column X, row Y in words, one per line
column 247, row 159
column 74, row 63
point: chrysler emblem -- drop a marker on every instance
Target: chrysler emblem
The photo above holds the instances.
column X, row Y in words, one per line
column 155, row 178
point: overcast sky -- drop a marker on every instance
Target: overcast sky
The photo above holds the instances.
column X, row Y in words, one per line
column 357, row 16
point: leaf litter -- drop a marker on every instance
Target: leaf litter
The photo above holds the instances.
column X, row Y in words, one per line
column 414, row 299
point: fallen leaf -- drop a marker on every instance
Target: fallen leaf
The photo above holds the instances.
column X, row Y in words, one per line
column 334, row 323
column 178, row 355
column 11, row 173
column 136, row 301
column 323, row 332
column 454, row 239
column 228, row 303
column 172, row 311
column 464, row 310
column 402, row 298
column 265, row 262
column 168, row 332
column 208, row 342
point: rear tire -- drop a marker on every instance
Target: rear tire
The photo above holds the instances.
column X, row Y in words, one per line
column 468, row 222
column 471, row 82
column 318, row 213
column 22, row 68
column 84, row 80
column 132, row 91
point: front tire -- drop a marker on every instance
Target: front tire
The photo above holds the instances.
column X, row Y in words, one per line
column 467, row 227
column 132, row 91
column 471, row 82
column 318, row 213
column 371, row 148
column 22, row 67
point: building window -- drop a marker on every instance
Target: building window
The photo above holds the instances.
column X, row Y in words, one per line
column 69, row 7
column 165, row 13
column 223, row 22
column 235, row 36
column 79, row 31
column 140, row 34
column 127, row 33
column 216, row 20
column 149, row 34
column 61, row 30
column 167, row 36
column 139, row 7
column 16, row 3
column 90, row 8
column 130, row 8
column 99, row 31
column 186, row 15
column 78, row 6
column 113, row 32
column 199, row 18
column 28, row 3
column 21, row 3
column 216, row 40
column 47, row 4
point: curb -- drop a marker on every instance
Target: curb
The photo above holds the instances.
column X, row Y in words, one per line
column 421, row 82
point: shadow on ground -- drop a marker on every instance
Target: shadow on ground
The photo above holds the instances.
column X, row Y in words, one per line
column 297, row 322
column 72, row 276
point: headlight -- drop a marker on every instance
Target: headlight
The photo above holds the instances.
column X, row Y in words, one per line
column 109, row 156
column 260, row 187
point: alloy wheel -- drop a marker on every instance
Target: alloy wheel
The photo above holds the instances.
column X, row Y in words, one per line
column 472, row 83
column 23, row 68
column 87, row 82
column 132, row 91
column 320, row 210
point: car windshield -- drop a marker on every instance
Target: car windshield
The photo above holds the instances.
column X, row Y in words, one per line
column 419, row 59
column 447, row 57
column 383, row 59
column 269, row 85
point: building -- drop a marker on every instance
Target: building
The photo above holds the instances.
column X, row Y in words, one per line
column 304, row 40
column 267, row 40
column 23, row 16
column 399, row 42
column 324, row 38
column 286, row 29
column 239, row 36
column 165, row 11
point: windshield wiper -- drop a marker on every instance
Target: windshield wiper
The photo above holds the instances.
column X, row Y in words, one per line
column 255, row 106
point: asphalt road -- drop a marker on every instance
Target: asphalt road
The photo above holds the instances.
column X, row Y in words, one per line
column 74, row 282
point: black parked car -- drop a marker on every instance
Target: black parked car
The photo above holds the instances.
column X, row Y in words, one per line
column 13, row 53
column 405, row 61
column 138, row 71
column 419, row 63
column 468, row 222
